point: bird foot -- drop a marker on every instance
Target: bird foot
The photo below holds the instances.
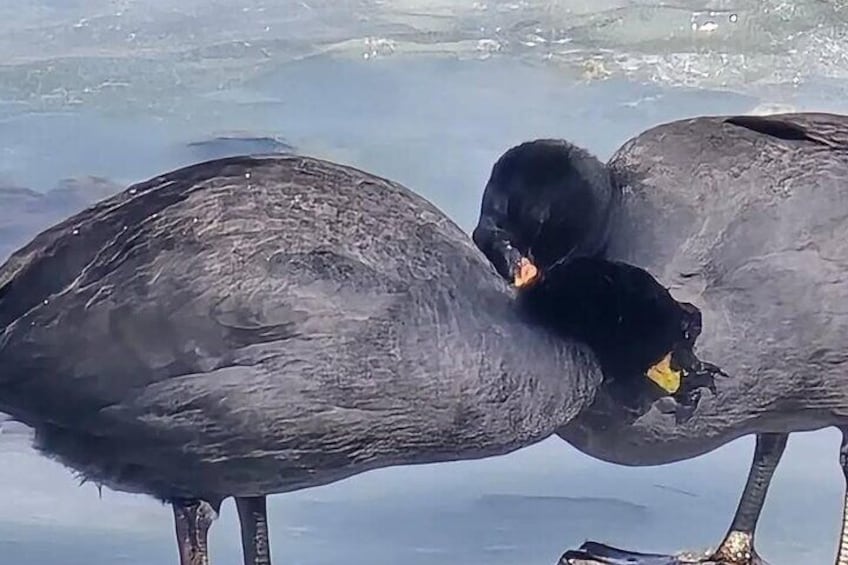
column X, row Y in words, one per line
column 737, row 549
column 593, row 553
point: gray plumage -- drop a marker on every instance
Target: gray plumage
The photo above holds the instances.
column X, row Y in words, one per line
column 747, row 218
column 257, row 325
column 752, row 228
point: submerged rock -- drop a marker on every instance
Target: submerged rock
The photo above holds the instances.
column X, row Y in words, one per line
column 238, row 143
column 72, row 195
column 25, row 212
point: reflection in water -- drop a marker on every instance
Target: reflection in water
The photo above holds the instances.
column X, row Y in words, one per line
column 435, row 124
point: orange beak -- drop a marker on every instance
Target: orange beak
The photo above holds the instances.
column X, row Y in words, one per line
column 527, row 274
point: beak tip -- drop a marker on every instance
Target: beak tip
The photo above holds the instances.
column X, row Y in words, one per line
column 527, row 274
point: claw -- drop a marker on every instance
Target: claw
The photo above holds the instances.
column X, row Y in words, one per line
column 686, row 409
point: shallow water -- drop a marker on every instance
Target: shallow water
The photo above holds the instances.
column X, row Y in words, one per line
column 427, row 93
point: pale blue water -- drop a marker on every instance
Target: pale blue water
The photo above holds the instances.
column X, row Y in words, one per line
column 444, row 89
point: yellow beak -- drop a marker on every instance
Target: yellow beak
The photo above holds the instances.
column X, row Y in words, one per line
column 664, row 376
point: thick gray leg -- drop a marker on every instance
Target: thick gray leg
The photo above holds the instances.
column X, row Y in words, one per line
column 738, row 545
column 192, row 519
column 842, row 556
column 254, row 530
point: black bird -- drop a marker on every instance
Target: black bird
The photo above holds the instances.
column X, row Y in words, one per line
column 548, row 203
column 257, row 325
column 744, row 217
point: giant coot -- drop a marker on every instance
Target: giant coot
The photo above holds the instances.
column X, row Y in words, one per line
column 744, row 217
column 257, row 325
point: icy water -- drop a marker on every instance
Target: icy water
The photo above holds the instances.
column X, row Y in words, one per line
column 428, row 93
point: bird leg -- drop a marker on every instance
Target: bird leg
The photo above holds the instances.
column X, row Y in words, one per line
column 737, row 548
column 192, row 519
column 842, row 555
column 254, row 530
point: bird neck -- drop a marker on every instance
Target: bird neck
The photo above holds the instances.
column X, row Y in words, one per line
column 552, row 378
